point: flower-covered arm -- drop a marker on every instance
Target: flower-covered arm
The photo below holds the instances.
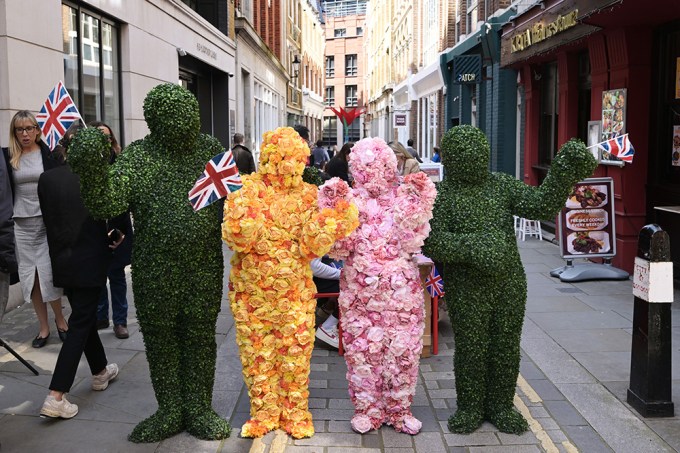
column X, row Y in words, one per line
column 415, row 199
column 105, row 188
column 572, row 164
column 243, row 219
column 337, row 218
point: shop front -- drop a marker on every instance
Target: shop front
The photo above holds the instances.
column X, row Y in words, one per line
column 596, row 70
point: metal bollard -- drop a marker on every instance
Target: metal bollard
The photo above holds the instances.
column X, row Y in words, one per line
column 650, row 365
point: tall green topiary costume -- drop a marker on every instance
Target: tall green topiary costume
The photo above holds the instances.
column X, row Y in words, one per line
column 486, row 289
column 177, row 265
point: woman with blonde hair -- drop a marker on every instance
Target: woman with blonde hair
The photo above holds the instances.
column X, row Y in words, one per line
column 27, row 158
column 406, row 163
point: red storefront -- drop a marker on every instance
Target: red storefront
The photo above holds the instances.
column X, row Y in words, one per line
column 568, row 53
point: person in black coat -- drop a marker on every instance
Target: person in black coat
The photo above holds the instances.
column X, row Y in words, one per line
column 338, row 165
column 242, row 156
column 8, row 259
column 122, row 257
column 80, row 251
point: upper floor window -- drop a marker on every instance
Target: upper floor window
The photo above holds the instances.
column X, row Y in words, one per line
column 330, row 96
column 93, row 80
column 351, row 65
column 351, row 99
column 360, row 31
column 340, row 32
column 330, row 67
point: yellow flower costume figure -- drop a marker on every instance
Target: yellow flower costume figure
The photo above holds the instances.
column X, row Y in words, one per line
column 275, row 228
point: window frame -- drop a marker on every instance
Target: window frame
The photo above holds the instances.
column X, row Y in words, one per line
column 340, row 33
column 351, row 101
column 329, row 100
column 351, row 65
column 330, row 66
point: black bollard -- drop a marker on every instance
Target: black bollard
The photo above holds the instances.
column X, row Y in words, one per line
column 650, row 365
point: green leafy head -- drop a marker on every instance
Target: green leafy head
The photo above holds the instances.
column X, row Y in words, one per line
column 465, row 154
column 171, row 112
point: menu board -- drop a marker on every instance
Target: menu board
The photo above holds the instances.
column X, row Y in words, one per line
column 675, row 152
column 613, row 113
column 586, row 224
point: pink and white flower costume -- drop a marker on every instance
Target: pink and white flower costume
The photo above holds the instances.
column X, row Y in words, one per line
column 381, row 297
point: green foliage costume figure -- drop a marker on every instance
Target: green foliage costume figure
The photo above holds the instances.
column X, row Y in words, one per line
column 177, row 264
column 473, row 235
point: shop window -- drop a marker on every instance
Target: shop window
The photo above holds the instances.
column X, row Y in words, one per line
column 351, row 99
column 340, row 32
column 330, row 130
column 91, row 65
column 583, row 95
column 330, row 67
column 351, row 65
column 547, row 135
column 330, row 96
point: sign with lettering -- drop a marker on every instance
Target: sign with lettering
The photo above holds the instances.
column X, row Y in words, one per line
column 653, row 282
column 206, row 50
column 541, row 31
column 467, row 69
column 400, row 119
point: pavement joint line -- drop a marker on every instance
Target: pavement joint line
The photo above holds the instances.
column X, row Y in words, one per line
column 535, row 426
column 528, row 391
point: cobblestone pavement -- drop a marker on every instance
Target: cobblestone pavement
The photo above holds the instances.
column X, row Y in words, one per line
column 575, row 350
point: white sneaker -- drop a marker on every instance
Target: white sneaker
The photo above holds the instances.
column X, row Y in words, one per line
column 58, row 409
column 101, row 381
column 328, row 335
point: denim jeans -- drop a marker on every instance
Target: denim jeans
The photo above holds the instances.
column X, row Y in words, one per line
column 119, row 305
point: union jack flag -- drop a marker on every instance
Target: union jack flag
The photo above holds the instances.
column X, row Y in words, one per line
column 57, row 114
column 218, row 179
column 434, row 283
column 620, row 147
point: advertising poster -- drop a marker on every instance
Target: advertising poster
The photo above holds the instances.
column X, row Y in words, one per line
column 675, row 156
column 587, row 220
column 613, row 113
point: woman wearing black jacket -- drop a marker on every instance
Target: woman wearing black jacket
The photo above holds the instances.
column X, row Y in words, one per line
column 80, row 251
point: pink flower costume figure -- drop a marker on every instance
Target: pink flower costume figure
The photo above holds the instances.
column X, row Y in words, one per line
column 381, row 297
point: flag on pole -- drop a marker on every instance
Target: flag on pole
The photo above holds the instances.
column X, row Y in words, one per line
column 620, row 147
column 57, row 114
column 218, row 179
column 434, row 283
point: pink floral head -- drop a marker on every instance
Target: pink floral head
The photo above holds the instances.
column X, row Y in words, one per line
column 373, row 165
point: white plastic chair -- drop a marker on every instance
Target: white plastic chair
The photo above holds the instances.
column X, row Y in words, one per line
column 517, row 223
column 530, row 228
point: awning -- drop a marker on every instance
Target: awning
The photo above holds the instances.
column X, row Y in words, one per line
column 427, row 81
column 401, row 94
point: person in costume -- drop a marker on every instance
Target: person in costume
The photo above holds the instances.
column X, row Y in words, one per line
column 381, row 297
column 177, row 263
column 485, row 283
column 275, row 226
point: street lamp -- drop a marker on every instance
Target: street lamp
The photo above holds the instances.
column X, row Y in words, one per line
column 296, row 67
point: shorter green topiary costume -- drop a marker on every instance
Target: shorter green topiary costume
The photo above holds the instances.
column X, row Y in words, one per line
column 177, row 264
column 485, row 284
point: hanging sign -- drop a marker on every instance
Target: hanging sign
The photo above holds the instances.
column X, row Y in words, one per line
column 467, row 69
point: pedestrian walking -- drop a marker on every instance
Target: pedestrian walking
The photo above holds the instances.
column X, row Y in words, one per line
column 242, row 156
column 320, row 155
column 122, row 257
column 80, row 252
column 26, row 159
column 412, row 151
column 406, row 163
column 338, row 166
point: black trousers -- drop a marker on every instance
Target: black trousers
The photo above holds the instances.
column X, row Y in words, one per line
column 82, row 338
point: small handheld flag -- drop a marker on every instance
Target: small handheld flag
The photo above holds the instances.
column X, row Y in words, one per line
column 57, row 114
column 218, row 179
column 619, row 147
column 434, row 283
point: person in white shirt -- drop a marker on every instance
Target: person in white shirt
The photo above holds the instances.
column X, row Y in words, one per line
column 327, row 280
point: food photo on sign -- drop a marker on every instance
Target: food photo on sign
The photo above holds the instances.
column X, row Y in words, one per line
column 586, row 222
column 675, row 156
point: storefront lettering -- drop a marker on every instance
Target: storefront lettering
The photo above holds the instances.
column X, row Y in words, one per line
column 467, row 77
column 206, row 50
column 539, row 32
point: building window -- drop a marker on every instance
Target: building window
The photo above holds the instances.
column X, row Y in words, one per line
column 547, row 135
column 91, row 66
column 351, row 96
column 360, row 31
column 351, row 65
column 354, row 131
column 330, row 67
column 330, row 130
column 472, row 17
column 340, row 32
column 330, row 96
